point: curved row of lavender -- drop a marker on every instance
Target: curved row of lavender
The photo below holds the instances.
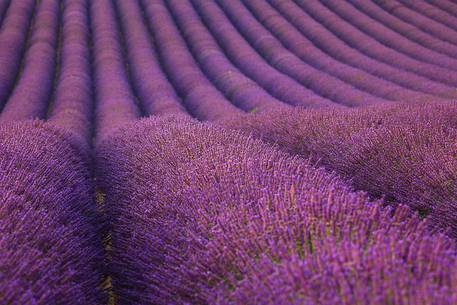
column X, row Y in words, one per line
column 3, row 7
column 237, row 53
column 439, row 15
column 338, row 48
column 292, row 39
column 201, row 97
column 433, row 21
column 388, row 37
column 203, row 215
column 241, row 90
column 13, row 36
column 283, row 60
column 151, row 84
column 72, row 105
column 405, row 153
column 356, row 38
column 404, row 28
column 51, row 250
column 33, row 90
column 116, row 104
column 268, row 74
column 445, row 5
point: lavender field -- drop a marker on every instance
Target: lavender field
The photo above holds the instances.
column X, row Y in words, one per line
column 228, row 152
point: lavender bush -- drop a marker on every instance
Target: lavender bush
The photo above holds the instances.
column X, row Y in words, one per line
column 51, row 251
column 202, row 215
column 405, row 153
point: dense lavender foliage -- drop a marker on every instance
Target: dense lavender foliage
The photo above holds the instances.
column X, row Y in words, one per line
column 50, row 247
column 403, row 152
column 202, row 215
column 322, row 168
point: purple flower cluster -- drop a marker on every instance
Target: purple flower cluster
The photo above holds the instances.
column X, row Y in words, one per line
column 405, row 153
column 50, row 247
column 203, row 215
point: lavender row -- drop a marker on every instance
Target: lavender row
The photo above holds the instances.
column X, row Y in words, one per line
column 438, row 22
column 368, row 45
column 292, row 39
column 241, row 90
column 388, row 37
column 13, row 34
column 249, row 62
column 203, row 215
column 72, row 104
column 3, row 8
column 426, row 24
column 200, row 96
column 155, row 92
column 445, row 5
column 283, row 60
column 407, row 30
column 50, row 248
column 33, row 90
column 115, row 101
column 405, row 153
column 327, row 41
